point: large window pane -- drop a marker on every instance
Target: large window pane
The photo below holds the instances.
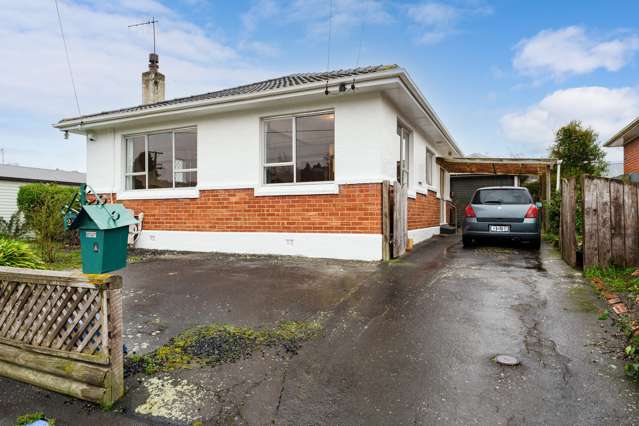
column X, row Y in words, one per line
column 160, row 160
column 279, row 174
column 279, row 141
column 185, row 150
column 315, row 136
column 135, row 161
column 136, row 182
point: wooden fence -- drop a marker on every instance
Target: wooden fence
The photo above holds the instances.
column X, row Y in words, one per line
column 610, row 226
column 567, row 228
column 62, row 331
column 610, row 222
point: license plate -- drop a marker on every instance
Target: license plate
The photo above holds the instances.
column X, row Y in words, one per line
column 499, row 228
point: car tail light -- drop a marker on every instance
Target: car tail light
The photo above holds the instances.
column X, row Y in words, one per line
column 469, row 212
column 532, row 212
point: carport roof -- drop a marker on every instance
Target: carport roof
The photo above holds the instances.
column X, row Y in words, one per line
column 497, row 166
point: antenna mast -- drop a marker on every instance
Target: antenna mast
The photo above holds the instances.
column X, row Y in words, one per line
column 152, row 22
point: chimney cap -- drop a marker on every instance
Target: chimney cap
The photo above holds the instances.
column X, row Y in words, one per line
column 154, row 61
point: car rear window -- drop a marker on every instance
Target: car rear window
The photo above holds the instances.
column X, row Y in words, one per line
column 502, row 196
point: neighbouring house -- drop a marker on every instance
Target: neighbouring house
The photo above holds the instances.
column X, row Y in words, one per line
column 291, row 165
column 628, row 138
column 12, row 177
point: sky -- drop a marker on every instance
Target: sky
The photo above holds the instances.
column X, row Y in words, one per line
column 502, row 75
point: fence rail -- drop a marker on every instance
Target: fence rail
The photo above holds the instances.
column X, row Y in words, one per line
column 62, row 331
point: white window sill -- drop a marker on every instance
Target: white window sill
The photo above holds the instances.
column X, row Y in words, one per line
column 297, row 189
column 159, row 194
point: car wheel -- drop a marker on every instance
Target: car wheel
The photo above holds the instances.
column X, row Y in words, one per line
column 467, row 241
column 536, row 244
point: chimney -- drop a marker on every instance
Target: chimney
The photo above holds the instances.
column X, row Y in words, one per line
column 152, row 82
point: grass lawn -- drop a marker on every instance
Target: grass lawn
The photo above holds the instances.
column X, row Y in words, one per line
column 67, row 257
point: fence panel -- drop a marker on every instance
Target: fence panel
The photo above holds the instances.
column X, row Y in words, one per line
column 611, row 222
column 568, row 235
column 62, row 331
column 617, row 240
column 631, row 224
column 590, row 248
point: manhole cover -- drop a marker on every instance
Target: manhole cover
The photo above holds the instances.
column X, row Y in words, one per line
column 506, row 360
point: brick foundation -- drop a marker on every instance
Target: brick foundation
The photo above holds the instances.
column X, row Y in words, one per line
column 423, row 211
column 631, row 157
column 356, row 209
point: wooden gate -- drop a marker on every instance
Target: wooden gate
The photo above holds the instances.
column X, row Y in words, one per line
column 400, row 219
column 611, row 223
column 394, row 220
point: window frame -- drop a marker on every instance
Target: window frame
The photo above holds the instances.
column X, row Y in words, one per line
column 293, row 163
column 429, row 166
column 405, row 161
column 145, row 173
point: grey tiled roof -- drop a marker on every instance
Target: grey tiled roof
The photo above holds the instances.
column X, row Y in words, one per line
column 260, row 86
column 34, row 174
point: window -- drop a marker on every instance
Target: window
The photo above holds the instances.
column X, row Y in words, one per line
column 161, row 160
column 403, row 164
column 429, row 167
column 502, row 196
column 299, row 149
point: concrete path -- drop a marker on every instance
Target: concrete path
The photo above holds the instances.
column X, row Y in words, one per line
column 409, row 342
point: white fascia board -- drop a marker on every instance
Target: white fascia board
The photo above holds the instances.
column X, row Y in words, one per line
column 81, row 125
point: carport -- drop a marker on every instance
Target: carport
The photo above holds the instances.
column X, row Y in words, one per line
column 541, row 167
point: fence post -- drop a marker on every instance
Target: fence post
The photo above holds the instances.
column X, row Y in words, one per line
column 114, row 297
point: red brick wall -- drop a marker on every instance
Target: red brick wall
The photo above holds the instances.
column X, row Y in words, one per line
column 356, row 209
column 631, row 157
column 423, row 211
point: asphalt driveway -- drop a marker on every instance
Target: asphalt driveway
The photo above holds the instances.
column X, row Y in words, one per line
column 408, row 342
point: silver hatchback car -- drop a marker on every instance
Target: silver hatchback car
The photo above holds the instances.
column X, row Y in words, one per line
column 505, row 212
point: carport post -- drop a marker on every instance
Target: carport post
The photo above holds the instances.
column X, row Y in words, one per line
column 548, row 184
column 558, row 187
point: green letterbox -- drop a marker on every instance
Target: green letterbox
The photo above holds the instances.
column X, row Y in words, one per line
column 104, row 231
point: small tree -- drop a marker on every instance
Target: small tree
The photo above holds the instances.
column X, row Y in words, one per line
column 580, row 154
column 48, row 225
column 578, row 150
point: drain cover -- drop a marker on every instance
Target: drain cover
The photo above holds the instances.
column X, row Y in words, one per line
column 506, row 360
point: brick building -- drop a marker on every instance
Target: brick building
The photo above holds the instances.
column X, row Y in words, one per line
column 628, row 138
column 292, row 165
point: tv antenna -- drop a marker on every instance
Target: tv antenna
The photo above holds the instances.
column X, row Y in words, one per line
column 152, row 22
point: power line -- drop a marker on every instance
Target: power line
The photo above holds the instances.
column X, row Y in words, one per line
column 66, row 52
column 361, row 41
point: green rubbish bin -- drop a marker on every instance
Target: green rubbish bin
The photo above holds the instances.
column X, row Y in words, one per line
column 104, row 231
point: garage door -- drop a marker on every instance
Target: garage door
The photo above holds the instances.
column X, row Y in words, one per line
column 462, row 188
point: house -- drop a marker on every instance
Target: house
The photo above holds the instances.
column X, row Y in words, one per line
column 628, row 138
column 291, row 165
column 12, row 177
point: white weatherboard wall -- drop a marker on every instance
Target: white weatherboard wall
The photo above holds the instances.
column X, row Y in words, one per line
column 337, row 246
column 9, row 197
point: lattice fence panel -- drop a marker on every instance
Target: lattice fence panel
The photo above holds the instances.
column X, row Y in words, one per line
column 60, row 317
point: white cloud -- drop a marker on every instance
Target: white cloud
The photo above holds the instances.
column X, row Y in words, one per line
column 605, row 110
column 438, row 21
column 314, row 14
column 571, row 51
column 107, row 59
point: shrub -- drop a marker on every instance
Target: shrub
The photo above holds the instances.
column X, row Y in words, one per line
column 14, row 228
column 18, row 254
column 42, row 206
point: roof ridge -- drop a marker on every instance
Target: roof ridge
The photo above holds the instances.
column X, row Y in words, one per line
column 288, row 80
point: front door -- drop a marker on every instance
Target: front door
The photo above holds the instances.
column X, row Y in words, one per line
column 442, row 196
